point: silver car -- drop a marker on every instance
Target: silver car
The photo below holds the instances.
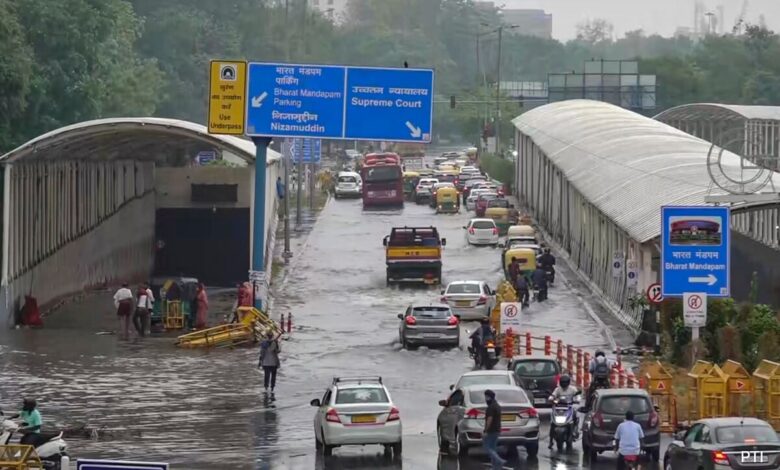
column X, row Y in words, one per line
column 486, row 377
column 430, row 325
column 469, row 300
column 462, row 420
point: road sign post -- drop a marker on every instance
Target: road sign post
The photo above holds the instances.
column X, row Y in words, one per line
column 227, row 96
column 632, row 274
column 617, row 264
column 258, row 226
column 338, row 102
column 694, row 316
column 510, row 316
column 695, row 252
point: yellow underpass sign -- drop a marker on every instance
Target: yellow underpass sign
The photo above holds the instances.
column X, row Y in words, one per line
column 227, row 97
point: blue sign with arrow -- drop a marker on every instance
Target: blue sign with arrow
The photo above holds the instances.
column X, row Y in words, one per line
column 696, row 251
column 337, row 102
column 306, row 150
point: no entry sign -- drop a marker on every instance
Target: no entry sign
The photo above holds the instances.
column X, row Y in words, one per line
column 654, row 295
column 510, row 316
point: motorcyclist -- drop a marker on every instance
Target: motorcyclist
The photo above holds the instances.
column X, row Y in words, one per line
column 540, row 282
column 514, row 270
column 31, row 423
column 547, row 261
column 568, row 391
column 481, row 334
column 599, row 369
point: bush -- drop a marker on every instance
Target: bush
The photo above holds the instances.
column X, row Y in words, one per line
column 499, row 168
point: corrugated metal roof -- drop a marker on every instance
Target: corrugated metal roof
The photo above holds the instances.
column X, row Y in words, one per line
column 716, row 111
column 126, row 138
column 625, row 164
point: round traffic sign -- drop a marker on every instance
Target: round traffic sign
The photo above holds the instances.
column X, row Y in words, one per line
column 654, row 295
column 695, row 301
column 510, row 311
column 631, row 274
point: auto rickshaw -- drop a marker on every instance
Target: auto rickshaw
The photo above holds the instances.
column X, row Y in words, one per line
column 411, row 178
column 500, row 216
column 169, row 291
column 526, row 257
column 521, row 232
column 447, row 201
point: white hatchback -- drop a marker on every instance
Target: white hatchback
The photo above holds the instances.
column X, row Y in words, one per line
column 349, row 184
column 357, row 411
column 481, row 232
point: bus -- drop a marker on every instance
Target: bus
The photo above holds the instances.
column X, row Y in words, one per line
column 383, row 180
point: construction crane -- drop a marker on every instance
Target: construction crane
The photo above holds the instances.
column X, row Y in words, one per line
column 738, row 26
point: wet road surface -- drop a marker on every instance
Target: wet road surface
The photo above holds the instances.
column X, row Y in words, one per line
column 206, row 409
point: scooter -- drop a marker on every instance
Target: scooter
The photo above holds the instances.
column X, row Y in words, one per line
column 53, row 451
column 550, row 275
column 631, row 462
column 485, row 357
column 563, row 416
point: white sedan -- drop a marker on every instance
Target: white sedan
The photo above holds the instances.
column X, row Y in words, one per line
column 482, row 232
column 471, row 201
column 469, row 300
column 357, row 411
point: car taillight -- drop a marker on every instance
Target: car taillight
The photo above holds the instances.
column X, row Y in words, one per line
column 490, row 344
column 332, row 416
column 472, row 231
column 474, row 413
column 410, row 320
column 395, row 415
column 720, row 458
column 495, row 231
column 452, row 320
column 598, row 420
column 528, row 413
column 653, row 421
column 482, row 300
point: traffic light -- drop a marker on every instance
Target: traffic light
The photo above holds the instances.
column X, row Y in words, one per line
column 452, row 102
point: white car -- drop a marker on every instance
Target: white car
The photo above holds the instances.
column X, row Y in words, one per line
column 482, row 232
column 471, row 201
column 469, row 300
column 487, row 377
column 348, row 184
column 357, row 411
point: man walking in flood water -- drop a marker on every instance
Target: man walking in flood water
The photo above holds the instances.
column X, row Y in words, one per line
column 123, row 301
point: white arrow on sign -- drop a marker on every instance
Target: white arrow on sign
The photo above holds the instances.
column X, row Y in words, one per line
column 709, row 280
column 416, row 131
column 257, row 101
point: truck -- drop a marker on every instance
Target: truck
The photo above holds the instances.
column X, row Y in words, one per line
column 413, row 255
column 383, row 180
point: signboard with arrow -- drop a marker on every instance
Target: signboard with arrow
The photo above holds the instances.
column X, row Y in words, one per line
column 338, row 102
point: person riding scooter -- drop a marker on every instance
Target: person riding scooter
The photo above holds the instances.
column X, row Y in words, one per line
column 599, row 369
column 568, row 391
column 547, row 262
column 32, row 420
column 540, row 282
column 480, row 336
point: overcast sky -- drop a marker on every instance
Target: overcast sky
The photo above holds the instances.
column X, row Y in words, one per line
column 653, row 16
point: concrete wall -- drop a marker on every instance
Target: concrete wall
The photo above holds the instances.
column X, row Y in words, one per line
column 174, row 190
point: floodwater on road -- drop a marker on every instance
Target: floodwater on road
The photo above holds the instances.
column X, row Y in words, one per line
column 206, row 409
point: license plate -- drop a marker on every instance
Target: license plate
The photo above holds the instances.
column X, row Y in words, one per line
column 540, row 401
column 491, row 351
column 507, row 418
column 431, row 335
column 462, row 303
column 364, row 419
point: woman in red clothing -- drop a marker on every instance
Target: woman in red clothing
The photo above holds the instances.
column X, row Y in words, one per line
column 203, row 307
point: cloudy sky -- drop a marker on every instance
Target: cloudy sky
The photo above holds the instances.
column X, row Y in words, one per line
column 653, row 16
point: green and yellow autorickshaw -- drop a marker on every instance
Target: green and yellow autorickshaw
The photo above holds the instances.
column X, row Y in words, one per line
column 411, row 178
column 500, row 216
column 447, row 201
column 525, row 256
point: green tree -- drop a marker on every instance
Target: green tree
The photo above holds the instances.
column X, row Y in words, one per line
column 16, row 75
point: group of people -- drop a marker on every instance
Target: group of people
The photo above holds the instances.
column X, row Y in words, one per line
column 523, row 283
column 137, row 306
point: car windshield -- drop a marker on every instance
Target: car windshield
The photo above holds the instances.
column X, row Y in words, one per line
column 463, row 289
column 487, row 196
column 347, row 179
column 502, row 396
column 352, row 396
column 536, row 368
column 491, row 379
column 499, row 203
column 483, row 224
column 619, row 405
column 383, row 173
column 431, row 312
column 746, row 434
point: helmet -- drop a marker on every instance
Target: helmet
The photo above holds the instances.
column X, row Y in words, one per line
column 547, row 251
column 565, row 381
column 601, row 359
column 600, row 353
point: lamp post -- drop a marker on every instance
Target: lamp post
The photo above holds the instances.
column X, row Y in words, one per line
column 497, row 126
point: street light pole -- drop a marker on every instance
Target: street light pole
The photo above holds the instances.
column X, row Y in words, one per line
column 497, row 126
column 286, row 152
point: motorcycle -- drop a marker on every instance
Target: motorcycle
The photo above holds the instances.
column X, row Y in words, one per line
column 563, row 417
column 52, row 452
column 486, row 356
column 630, row 462
column 550, row 275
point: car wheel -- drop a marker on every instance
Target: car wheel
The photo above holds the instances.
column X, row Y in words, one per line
column 398, row 449
column 444, row 444
column 317, row 443
column 327, row 450
column 655, row 454
column 532, row 450
column 668, row 464
column 461, row 449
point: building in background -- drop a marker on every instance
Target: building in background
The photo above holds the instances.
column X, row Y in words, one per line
column 335, row 10
column 537, row 23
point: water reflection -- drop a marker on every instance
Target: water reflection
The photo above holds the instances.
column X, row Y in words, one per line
column 338, row 462
column 266, row 431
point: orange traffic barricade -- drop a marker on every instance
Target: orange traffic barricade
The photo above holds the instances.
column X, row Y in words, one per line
column 740, row 390
column 766, row 381
column 659, row 384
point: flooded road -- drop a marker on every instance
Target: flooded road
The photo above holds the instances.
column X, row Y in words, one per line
column 207, row 410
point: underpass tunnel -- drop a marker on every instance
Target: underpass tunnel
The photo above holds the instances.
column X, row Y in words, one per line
column 121, row 200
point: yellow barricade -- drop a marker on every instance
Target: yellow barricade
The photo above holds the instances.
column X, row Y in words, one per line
column 19, row 457
column 740, row 390
column 767, row 392
column 252, row 325
column 659, row 385
column 173, row 319
column 707, row 396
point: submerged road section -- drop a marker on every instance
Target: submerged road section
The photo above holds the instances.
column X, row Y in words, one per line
column 207, row 410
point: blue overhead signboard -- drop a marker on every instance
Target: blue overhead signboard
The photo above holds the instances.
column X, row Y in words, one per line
column 336, row 102
column 306, row 150
column 696, row 251
column 86, row 464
